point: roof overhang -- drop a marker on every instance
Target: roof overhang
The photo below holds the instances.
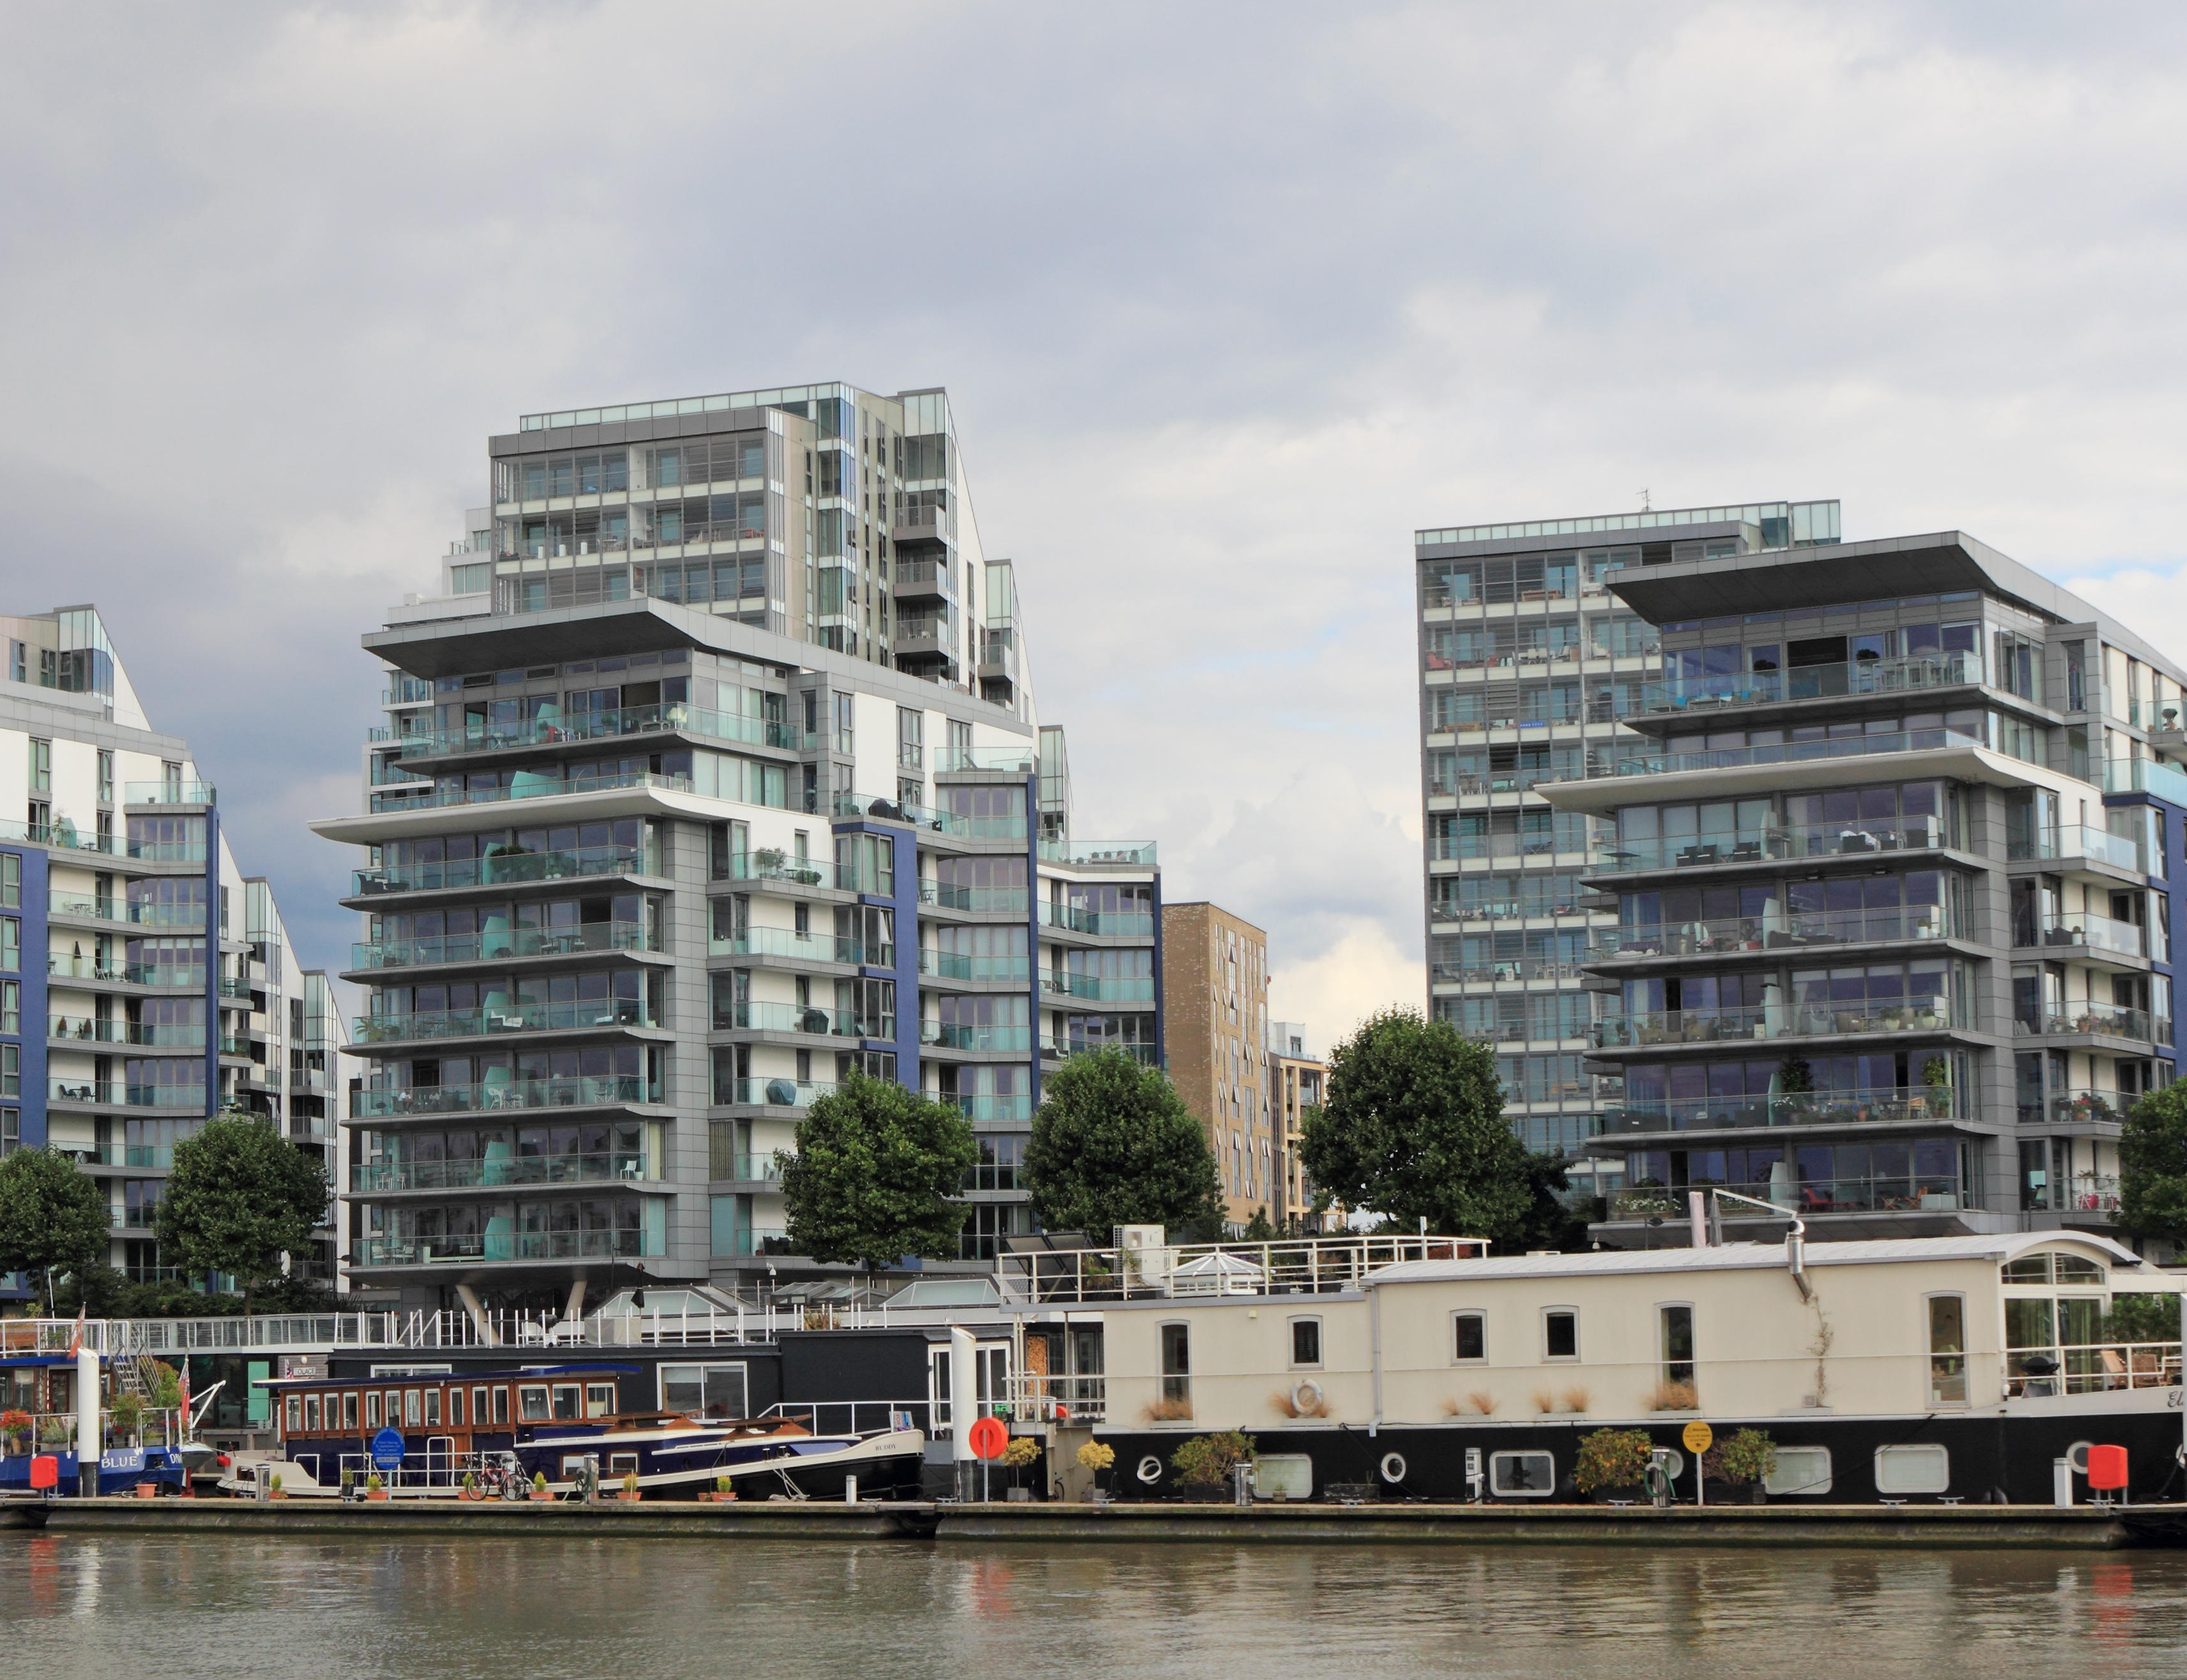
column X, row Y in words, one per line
column 1602, row 795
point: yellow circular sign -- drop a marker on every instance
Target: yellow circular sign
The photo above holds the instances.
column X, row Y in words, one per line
column 1697, row 1437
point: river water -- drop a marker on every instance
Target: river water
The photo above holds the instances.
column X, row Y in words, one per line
column 221, row 1606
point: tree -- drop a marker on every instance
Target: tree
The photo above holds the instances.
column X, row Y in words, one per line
column 874, row 1171
column 1413, row 1126
column 53, row 1218
column 1114, row 1144
column 1257, row 1228
column 2153, row 1166
column 1552, row 1221
column 240, row 1198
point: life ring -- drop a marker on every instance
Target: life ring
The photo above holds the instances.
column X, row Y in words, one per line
column 1393, row 1467
column 1150, row 1470
column 1305, row 1398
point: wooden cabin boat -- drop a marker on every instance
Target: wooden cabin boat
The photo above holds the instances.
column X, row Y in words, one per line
column 1955, row 1368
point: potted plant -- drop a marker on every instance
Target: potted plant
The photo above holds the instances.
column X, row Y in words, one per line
column 725, row 1491
column 1745, row 1459
column 349, row 1486
column 1204, row 1463
column 1611, row 1464
column 1020, row 1454
column 15, row 1426
column 539, row 1493
column 1098, row 1456
column 374, row 1488
column 630, row 1486
column 470, row 1485
column 1937, row 1074
column 276, row 1492
column 127, row 1412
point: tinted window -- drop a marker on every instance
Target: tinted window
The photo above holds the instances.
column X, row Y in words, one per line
column 1560, row 1333
column 1472, row 1336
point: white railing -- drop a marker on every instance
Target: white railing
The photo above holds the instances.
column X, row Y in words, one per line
column 2034, row 1372
column 1300, row 1266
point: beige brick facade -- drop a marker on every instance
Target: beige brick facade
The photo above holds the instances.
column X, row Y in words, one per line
column 1215, row 1019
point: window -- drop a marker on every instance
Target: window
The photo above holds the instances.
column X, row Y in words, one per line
column 845, row 713
column 2072, row 1269
column 531, row 1403
column 11, row 1006
column 11, row 1070
column 1560, row 1333
column 372, row 1410
column 911, row 738
column 566, row 1401
column 11, row 879
column 311, row 1413
column 1678, row 1323
column 18, row 661
column 1521, row 1475
column 1917, row 1467
column 349, row 1410
column 1948, row 1350
column 432, row 1408
column 414, row 1409
column 2033, row 1269
column 1469, row 1337
column 703, row 1391
column 501, row 1405
column 41, row 765
column 1799, row 1470
column 479, row 1408
column 1306, row 1341
column 11, row 942
column 599, row 1400
column 1176, row 1366
column 622, row 1464
column 105, row 777
column 455, row 1409
column 294, row 1412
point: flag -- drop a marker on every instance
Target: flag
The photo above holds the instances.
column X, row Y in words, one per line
column 76, row 1340
column 182, row 1378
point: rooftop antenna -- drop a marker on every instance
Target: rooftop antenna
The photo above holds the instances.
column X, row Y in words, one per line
column 1644, row 500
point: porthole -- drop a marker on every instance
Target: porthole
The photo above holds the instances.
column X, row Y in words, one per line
column 1150, row 1469
column 1393, row 1467
column 2077, row 1457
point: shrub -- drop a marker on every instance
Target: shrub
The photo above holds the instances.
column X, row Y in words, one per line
column 470, row 1480
column 14, row 1423
column 539, row 1481
column 1575, row 1399
column 1021, row 1452
column 128, row 1412
column 1482, row 1401
column 1746, row 1457
column 2143, row 1317
column 1674, row 1397
column 1207, row 1460
column 1610, row 1458
column 373, row 1483
column 1168, row 1411
column 1544, row 1401
column 1097, row 1455
column 724, row 1484
column 629, row 1481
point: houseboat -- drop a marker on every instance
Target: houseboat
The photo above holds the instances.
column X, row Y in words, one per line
column 1953, row 1369
column 39, row 1399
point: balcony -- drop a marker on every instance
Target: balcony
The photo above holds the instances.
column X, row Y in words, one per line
column 803, row 947
column 2083, row 928
column 851, row 806
column 1134, row 854
column 499, row 1246
column 525, row 786
column 2077, row 1108
column 601, row 1167
column 925, row 580
column 114, row 1093
column 573, row 1090
column 507, row 866
column 1814, row 682
column 1911, row 1193
column 1864, row 837
column 953, row 965
column 583, row 1016
column 774, row 1093
column 1058, row 1049
column 500, row 945
column 803, row 1018
column 753, row 1169
column 1017, row 759
column 84, row 1030
column 1444, row 971
column 1108, row 924
column 1671, row 1029
column 923, row 523
column 169, row 793
column 127, row 974
column 1621, row 761
column 1880, row 1105
column 190, row 916
column 238, row 989
column 768, row 865
column 954, row 1036
column 614, row 724
column 1786, row 930
column 2146, row 776
column 2078, row 1020
column 2120, row 852
column 978, row 901
column 1113, row 989
column 1018, row 1106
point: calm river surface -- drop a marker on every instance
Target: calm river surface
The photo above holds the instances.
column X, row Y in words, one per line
column 127, row 1606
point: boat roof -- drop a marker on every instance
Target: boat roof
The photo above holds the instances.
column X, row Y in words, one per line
column 459, row 1377
column 1739, row 1256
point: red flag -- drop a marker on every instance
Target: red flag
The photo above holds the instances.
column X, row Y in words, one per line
column 76, row 1340
column 184, row 1375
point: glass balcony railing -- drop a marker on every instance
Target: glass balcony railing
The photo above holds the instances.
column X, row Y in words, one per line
column 600, row 1167
column 2146, row 776
column 1814, row 682
column 505, row 1245
column 2120, row 851
column 2098, row 933
column 1137, row 854
column 1058, row 1048
column 1775, row 845
column 569, row 1091
column 499, row 944
column 982, row 901
column 134, row 915
column 956, row 1036
column 523, row 786
column 601, row 726
column 848, row 806
column 759, row 1239
column 508, row 865
column 126, row 1096
column 803, row 1018
column 1024, row 760
column 2073, row 1108
column 1785, row 931
column 768, row 865
column 1618, row 761
column 1881, row 1104
column 1912, row 1194
column 133, row 973
column 978, row 1108
column 1478, row 967
column 1116, row 923
column 1669, row 1028
column 84, row 1030
column 2087, row 1020
column 778, row 1093
column 1116, row 989
column 232, row 987
column 65, row 834
column 754, row 1168
column 805, row 946
column 168, row 793
column 955, row 965
column 500, row 1018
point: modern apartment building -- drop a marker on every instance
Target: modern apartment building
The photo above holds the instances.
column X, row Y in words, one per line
column 713, row 773
column 150, row 983
column 1215, row 1025
column 1296, row 1080
column 1875, row 879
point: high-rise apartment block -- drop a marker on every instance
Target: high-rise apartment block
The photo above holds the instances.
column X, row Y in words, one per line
column 146, row 983
column 1836, row 874
column 713, row 774
column 1215, row 1016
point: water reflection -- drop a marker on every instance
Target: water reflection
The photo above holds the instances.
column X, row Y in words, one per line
column 116, row 1606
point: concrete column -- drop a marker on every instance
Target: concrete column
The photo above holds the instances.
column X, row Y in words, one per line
column 963, row 1405
column 88, row 1445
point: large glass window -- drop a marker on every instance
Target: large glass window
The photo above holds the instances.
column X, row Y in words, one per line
column 1947, row 1351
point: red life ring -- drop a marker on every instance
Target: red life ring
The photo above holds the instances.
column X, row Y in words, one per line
column 990, row 1436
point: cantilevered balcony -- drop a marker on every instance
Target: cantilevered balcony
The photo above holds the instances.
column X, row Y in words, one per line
column 1880, row 1105
column 500, row 945
column 499, row 1172
column 507, row 866
column 578, row 728
column 495, row 1020
column 575, row 1090
column 1918, row 674
column 1671, row 1029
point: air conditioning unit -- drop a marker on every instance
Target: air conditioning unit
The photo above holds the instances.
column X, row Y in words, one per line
column 1143, row 1254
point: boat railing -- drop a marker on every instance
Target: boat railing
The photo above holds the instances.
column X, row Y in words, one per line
column 420, row 1328
column 856, row 1417
column 1039, row 1397
column 2098, row 1367
column 1292, row 1266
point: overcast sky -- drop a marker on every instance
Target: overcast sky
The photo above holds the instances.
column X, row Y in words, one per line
column 1228, row 299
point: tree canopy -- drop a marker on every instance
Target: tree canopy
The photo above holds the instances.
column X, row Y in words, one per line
column 1412, row 1126
column 874, row 1171
column 1114, row 1144
column 53, row 1218
column 2153, row 1166
column 240, row 1197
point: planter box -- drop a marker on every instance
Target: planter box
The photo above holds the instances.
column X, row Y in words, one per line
column 538, row 1498
column 729, row 1498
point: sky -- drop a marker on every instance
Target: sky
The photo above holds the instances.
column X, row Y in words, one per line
column 1230, row 300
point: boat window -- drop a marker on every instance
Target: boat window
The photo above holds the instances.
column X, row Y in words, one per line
column 432, row 1408
column 372, row 1410
column 349, row 1410
column 479, row 1407
column 2034, row 1268
column 413, row 1408
column 1916, row 1467
column 1283, row 1475
column 1677, row 1344
column 531, row 1403
column 311, row 1415
column 622, row 1463
column 1176, row 1365
column 295, row 1410
column 501, row 1405
column 1306, row 1341
column 455, row 1409
column 1947, row 1351
column 1469, row 1337
column 1560, row 1333
column 1799, row 1470
column 1522, row 1475
column 572, row 1464
column 566, row 1401
column 599, row 1400
column 394, row 1408
column 2072, row 1269
column 700, row 1391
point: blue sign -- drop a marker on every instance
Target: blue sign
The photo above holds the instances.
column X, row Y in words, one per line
column 122, row 1458
column 387, row 1450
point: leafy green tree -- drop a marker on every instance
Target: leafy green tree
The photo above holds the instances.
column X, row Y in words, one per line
column 874, row 1171
column 2153, row 1166
column 240, row 1197
column 53, row 1218
column 1413, row 1127
column 1258, row 1229
column 1114, row 1144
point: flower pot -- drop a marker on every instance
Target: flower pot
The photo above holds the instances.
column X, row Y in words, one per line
column 631, row 1495
column 145, row 1492
column 147, row 1489
column 540, row 1498
column 375, row 1493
